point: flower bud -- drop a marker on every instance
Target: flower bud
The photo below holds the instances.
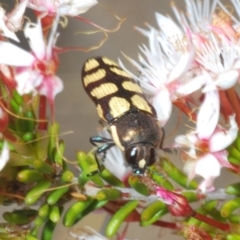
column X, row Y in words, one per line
column 180, row 207
column 177, row 204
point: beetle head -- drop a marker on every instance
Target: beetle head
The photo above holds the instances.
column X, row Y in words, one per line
column 139, row 156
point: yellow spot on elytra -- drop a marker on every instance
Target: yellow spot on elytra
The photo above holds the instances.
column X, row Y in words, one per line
column 118, row 106
column 130, row 86
column 94, row 77
column 141, row 103
column 109, row 62
column 103, row 90
column 91, row 64
column 120, row 72
column 115, row 137
column 100, row 112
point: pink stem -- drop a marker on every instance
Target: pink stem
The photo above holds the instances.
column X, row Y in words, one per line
column 166, row 224
column 212, row 222
column 226, row 107
column 185, row 109
column 42, row 113
column 233, row 98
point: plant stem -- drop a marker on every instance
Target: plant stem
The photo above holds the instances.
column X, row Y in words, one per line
column 226, row 107
column 211, row 222
column 233, row 98
column 166, row 224
column 42, row 125
column 185, row 109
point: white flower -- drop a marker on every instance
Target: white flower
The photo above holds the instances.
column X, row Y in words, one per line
column 165, row 74
column 34, row 72
column 62, row 7
column 206, row 156
column 221, row 59
column 198, row 15
column 12, row 22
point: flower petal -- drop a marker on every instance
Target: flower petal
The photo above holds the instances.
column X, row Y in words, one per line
column 208, row 115
column 223, row 160
column 15, row 18
column 164, row 195
column 115, row 161
column 189, row 169
column 142, row 31
column 4, row 29
column 222, row 139
column 236, row 64
column 50, row 86
column 183, row 64
column 191, row 86
column 9, row 52
column 168, row 26
column 40, row 7
column 186, row 140
column 207, row 185
column 75, row 8
column 163, row 106
column 209, row 168
column 227, row 80
column 27, row 81
column 33, row 31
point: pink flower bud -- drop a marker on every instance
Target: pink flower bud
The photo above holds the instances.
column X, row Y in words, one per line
column 176, row 203
column 180, row 207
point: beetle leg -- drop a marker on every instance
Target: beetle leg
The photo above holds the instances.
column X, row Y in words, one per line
column 103, row 149
column 99, row 139
column 107, row 143
column 166, row 149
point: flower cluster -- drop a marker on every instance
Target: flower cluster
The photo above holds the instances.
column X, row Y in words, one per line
column 32, row 70
column 193, row 64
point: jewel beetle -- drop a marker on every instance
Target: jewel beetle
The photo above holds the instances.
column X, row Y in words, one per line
column 124, row 109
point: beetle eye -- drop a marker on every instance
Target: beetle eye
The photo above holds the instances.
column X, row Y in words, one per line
column 131, row 155
column 152, row 157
